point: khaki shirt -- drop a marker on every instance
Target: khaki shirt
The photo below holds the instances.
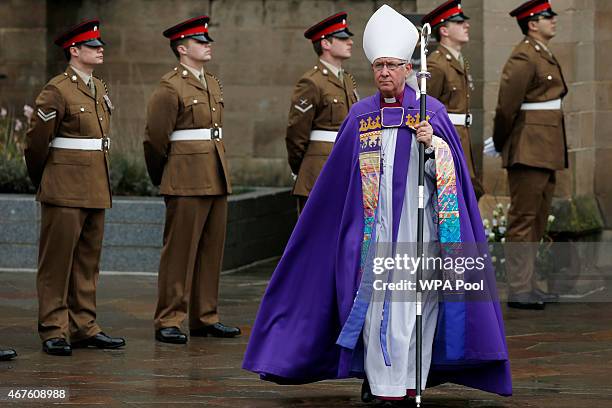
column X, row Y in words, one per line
column 535, row 137
column 320, row 101
column 186, row 168
column 65, row 177
column 451, row 83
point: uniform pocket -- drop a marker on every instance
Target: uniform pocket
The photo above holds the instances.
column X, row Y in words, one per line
column 66, row 174
column 199, row 109
column 188, row 164
column 337, row 109
column 83, row 118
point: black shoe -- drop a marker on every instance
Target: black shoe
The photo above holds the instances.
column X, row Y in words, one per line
column 526, row 301
column 366, row 392
column 101, row 341
column 215, row 330
column 7, row 354
column 57, row 347
column 546, row 297
column 171, row 335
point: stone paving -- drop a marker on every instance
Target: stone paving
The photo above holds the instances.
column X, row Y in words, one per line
column 561, row 357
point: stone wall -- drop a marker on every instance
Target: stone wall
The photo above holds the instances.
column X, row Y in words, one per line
column 258, row 227
column 23, row 51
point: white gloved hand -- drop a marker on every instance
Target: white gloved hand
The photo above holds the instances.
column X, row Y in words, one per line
column 489, row 148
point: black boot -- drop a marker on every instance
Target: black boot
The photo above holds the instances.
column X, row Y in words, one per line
column 7, row 354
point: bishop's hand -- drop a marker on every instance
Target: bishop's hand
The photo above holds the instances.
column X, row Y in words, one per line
column 424, row 133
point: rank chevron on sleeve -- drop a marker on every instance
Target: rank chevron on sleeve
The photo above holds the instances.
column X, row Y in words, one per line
column 46, row 116
column 303, row 110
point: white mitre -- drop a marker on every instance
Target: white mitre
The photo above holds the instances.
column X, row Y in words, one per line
column 389, row 34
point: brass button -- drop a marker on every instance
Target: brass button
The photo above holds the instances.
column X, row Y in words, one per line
column 216, row 125
column 335, row 100
column 195, row 101
column 550, row 77
column 100, row 119
column 82, row 109
column 213, row 109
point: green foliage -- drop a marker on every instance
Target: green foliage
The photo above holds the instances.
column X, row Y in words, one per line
column 129, row 175
column 13, row 172
column 496, row 229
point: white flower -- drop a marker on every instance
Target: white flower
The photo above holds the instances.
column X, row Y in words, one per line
column 486, row 223
column 3, row 113
column 491, row 235
column 28, row 111
column 551, row 218
column 503, row 240
column 493, row 259
column 18, row 125
column 495, row 222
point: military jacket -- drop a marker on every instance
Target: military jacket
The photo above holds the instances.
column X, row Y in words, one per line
column 186, row 168
column 67, row 108
column 452, row 84
column 320, row 101
column 531, row 137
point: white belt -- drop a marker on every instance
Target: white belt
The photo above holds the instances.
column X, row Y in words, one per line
column 80, row 144
column 323, row 136
column 555, row 104
column 461, row 119
column 196, row 134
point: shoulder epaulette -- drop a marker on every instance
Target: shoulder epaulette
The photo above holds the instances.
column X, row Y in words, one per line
column 58, row 78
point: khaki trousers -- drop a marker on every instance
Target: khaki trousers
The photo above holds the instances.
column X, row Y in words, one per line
column 464, row 136
column 68, row 268
column 191, row 258
column 531, row 193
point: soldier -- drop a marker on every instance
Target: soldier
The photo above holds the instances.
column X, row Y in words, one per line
column 320, row 102
column 451, row 81
column 185, row 156
column 67, row 158
column 7, row 354
column 529, row 132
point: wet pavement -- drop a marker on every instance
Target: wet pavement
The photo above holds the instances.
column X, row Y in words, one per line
column 561, row 357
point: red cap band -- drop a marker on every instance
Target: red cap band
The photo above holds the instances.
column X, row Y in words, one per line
column 445, row 15
column 86, row 36
column 190, row 31
column 535, row 10
column 328, row 30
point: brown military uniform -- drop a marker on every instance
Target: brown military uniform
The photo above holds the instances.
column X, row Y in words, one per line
column 194, row 178
column 74, row 189
column 320, row 101
column 533, row 147
column 452, row 85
